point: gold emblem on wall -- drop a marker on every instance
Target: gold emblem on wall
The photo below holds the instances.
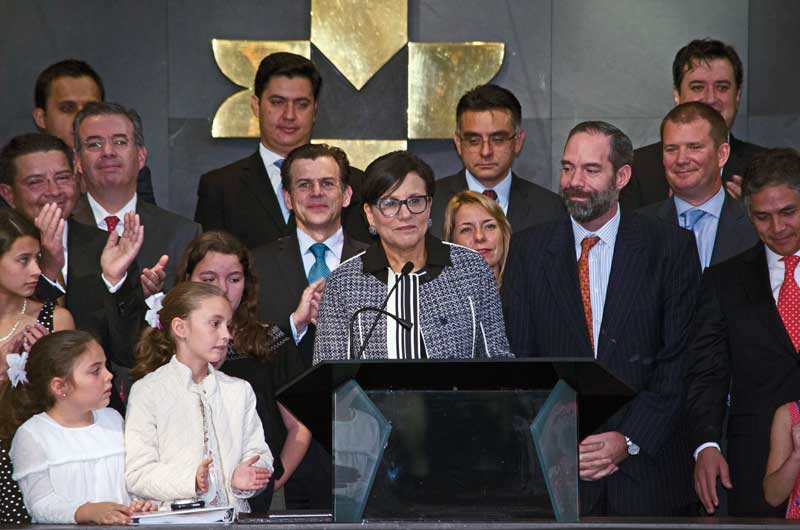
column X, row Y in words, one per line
column 359, row 37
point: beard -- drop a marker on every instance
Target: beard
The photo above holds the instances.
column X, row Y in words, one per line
column 597, row 203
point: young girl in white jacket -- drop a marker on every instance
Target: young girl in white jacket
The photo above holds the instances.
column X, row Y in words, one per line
column 191, row 431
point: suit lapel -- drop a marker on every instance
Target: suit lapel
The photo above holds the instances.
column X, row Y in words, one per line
column 349, row 249
column 256, row 178
column 561, row 270
column 83, row 212
column 755, row 279
column 628, row 270
column 517, row 204
column 728, row 232
column 290, row 264
column 668, row 212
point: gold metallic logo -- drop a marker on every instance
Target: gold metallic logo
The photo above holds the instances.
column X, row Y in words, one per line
column 359, row 37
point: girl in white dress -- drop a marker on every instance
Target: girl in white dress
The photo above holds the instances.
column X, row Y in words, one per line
column 191, row 431
column 68, row 451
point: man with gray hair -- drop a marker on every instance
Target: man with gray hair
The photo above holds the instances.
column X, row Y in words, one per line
column 619, row 288
column 110, row 151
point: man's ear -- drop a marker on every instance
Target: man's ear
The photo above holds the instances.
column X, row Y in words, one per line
column 38, row 118
column 254, row 102
column 623, row 176
column 348, row 196
column 142, row 155
column 287, row 199
column 7, row 194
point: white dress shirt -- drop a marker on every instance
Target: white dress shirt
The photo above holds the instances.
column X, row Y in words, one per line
column 333, row 256
column 502, row 189
column 101, row 213
column 600, row 257
column 269, row 158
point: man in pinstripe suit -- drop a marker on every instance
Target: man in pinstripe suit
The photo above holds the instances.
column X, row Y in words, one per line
column 620, row 288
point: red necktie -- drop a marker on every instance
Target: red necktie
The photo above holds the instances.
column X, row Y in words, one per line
column 583, row 276
column 111, row 222
column 789, row 301
column 491, row 194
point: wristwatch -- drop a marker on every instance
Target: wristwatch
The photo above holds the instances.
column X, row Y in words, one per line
column 633, row 449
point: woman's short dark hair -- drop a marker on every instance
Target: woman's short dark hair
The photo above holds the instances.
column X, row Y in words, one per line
column 387, row 173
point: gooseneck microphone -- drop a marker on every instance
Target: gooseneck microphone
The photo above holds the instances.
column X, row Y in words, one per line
column 405, row 271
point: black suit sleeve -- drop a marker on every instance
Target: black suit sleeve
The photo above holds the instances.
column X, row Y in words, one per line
column 517, row 299
column 708, row 374
column 655, row 412
column 46, row 291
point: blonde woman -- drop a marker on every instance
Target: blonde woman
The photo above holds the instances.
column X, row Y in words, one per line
column 476, row 221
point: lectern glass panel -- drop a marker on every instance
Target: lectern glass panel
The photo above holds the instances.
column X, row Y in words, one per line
column 360, row 432
column 459, row 455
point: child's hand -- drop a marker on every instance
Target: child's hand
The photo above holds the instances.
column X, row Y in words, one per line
column 248, row 477
column 201, row 477
column 103, row 513
column 143, row 506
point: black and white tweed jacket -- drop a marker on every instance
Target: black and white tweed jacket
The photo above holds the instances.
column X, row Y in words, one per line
column 460, row 311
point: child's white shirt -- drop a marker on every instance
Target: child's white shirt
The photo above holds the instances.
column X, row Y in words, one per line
column 61, row 468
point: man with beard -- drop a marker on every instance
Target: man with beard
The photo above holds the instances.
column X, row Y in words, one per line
column 620, row 289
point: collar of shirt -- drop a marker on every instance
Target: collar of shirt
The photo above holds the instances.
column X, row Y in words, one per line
column 777, row 270
column 269, row 158
column 101, row 213
column 64, row 239
column 502, row 189
column 335, row 244
column 375, row 262
column 607, row 233
column 712, row 206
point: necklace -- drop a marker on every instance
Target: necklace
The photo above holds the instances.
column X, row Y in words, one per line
column 19, row 319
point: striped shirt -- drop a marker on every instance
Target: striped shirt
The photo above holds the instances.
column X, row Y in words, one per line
column 600, row 257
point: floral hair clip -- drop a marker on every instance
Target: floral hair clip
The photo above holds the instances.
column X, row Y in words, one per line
column 16, row 368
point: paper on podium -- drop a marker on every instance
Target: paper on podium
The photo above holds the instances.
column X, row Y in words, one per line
column 214, row 514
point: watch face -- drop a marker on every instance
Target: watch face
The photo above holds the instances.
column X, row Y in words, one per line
column 633, row 449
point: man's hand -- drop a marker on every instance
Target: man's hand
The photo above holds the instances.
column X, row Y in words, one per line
column 308, row 307
column 51, row 230
column 734, row 187
column 153, row 279
column 710, row 465
column 120, row 251
column 599, row 455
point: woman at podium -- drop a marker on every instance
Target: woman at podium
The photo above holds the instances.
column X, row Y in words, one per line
column 409, row 295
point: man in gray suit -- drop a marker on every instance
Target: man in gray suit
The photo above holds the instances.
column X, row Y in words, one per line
column 695, row 149
column 110, row 151
column 488, row 137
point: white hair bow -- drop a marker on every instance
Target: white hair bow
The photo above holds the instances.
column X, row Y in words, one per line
column 16, row 368
column 154, row 305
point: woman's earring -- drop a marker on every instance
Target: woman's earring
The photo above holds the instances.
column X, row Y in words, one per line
column 372, row 230
column 430, row 222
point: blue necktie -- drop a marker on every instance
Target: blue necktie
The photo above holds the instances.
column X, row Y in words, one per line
column 319, row 269
column 691, row 217
column 279, row 162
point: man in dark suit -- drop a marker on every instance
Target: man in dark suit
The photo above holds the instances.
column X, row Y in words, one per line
column 744, row 342
column 62, row 90
column 246, row 198
column 488, row 137
column 78, row 262
column 621, row 289
column 110, row 151
column 315, row 189
column 704, row 70
column 694, row 137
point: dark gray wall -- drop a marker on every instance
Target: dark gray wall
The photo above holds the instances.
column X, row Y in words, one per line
column 567, row 60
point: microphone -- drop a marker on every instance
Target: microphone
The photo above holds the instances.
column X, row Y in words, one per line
column 405, row 271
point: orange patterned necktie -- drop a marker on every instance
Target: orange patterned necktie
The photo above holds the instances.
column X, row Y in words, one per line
column 583, row 275
column 789, row 301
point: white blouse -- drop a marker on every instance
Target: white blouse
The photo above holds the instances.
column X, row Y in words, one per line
column 59, row 469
